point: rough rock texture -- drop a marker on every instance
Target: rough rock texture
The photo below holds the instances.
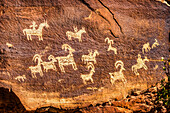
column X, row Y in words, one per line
column 131, row 24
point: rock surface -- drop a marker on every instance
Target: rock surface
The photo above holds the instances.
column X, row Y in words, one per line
column 127, row 37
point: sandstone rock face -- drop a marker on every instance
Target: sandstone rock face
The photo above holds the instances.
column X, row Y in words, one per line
column 81, row 52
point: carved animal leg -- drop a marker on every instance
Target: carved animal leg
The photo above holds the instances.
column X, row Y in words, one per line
column 41, row 73
column 80, row 39
column 91, row 80
column 41, row 37
column 115, row 50
column 84, row 81
column 69, row 37
column 136, row 72
column 34, row 75
column 30, row 37
column 112, row 80
column 62, row 69
column 74, row 66
column 145, row 67
column 27, row 37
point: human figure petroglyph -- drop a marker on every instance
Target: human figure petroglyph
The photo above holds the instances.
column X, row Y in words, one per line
column 20, row 78
column 67, row 60
column 146, row 47
column 50, row 64
column 76, row 34
column 155, row 43
column 37, row 68
column 34, row 31
column 33, row 25
column 87, row 77
column 140, row 64
column 118, row 75
column 110, row 42
column 91, row 57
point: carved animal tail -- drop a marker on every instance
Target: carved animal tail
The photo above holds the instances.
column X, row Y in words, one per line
column 24, row 32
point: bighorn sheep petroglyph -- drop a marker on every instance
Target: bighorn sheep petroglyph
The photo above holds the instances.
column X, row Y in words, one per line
column 155, row 43
column 118, row 75
column 67, row 60
column 49, row 65
column 87, row 77
column 110, row 42
column 37, row 68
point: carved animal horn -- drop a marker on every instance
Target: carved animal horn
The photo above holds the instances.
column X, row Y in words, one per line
column 90, row 65
column 66, row 46
column 107, row 39
column 119, row 63
column 111, row 41
column 50, row 57
column 35, row 57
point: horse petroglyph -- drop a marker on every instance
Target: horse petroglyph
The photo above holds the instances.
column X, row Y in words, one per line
column 76, row 34
column 20, row 78
column 118, row 75
column 146, row 47
column 140, row 64
column 155, row 43
column 49, row 65
column 67, row 60
column 87, row 77
column 110, row 42
column 34, row 31
column 37, row 68
column 90, row 57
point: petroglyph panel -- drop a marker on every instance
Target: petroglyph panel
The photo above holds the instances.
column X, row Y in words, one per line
column 72, row 54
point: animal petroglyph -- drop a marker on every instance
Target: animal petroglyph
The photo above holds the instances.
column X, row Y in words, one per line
column 21, row 78
column 146, row 47
column 89, row 17
column 9, row 45
column 140, row 64
column 67, row 60
column 37, row 68
column 87, row 77
column 156, row 67
column 76, row 34
column 34, row 31
column 155, row 43
column 90, row 57
column 49, row 65
column 110, row 42
column 118, row 75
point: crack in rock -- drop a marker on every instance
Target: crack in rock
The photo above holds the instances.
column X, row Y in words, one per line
column 98, row 13
column 112, row 15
